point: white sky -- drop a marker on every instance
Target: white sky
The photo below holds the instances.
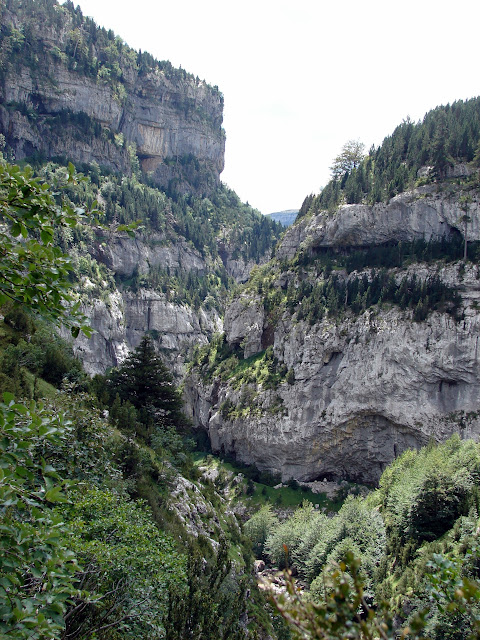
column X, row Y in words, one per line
column 301, row 77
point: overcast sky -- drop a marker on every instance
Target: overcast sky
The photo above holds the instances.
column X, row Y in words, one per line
column 301, row 77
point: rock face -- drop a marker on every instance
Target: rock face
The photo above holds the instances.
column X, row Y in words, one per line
column 244, row 321
column 424, row 213
column 124, row 255
column 166, row 121
column 121, row 320
column 362, row 389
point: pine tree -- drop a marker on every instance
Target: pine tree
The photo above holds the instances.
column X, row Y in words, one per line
column 439, row 152
column 146, row 383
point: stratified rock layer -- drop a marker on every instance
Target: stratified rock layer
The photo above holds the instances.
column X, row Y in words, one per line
column 120, row 318
column 163, row 120
column 426, row 213
column 362, row 389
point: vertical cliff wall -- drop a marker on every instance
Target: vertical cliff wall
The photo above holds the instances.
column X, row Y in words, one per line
column 314, row 384
column 70, row 89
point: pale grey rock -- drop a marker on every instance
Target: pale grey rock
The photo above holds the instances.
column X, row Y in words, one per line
column 460, row 170
column 107, row 346
column 238, row 268
column 162, row 118
column 194, row 511
column 365, row 389
column 243, row 324
column 426, row 213
column 122, row 321
column 124, row 255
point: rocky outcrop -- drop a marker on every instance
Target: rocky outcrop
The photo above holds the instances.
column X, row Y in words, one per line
column 427, row 213
column 243, row 324
column 122, row 318
column 360, row 389
column 53, row 109
column 125, row 256
column 364, row 390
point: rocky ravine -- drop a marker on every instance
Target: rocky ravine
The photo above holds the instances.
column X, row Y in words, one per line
column 121, row 317
column 365, row 388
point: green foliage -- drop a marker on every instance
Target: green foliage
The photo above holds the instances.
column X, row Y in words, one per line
column 315, row 285
column 416, row 549
column 145, row 382
column 46, row 355
column 128, row 564
column 84, row 48
column 315, row 540
column 259, row 371
column 37, row 565
column 259, row 527
column 344, row 611
column 212, row 603
column 211, row 226
column 35, row 271
column 424, row 492
column 446, row 135
column 455, row 613
column 289, row 533
column 350, row 157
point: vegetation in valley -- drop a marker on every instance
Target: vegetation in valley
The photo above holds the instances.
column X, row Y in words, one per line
column 91, row 542
column 415, row 544
column 109, row 527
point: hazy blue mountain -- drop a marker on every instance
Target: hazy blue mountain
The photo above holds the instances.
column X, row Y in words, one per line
column 286, row 217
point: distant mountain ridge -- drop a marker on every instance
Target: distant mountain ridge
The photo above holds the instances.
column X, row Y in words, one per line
column 286, row 218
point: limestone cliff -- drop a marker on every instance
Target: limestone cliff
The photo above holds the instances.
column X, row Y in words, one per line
column 67, row 91
column 120, row 315
column 428, row 212
column 151, row 140
column 357, row 389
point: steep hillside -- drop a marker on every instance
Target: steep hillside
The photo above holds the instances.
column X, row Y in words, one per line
column 359, row 340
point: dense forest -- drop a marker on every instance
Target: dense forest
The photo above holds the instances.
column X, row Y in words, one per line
column 447, row 135
column 415, row 540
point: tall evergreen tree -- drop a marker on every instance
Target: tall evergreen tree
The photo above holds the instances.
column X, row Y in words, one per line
column 145, row 382
column 439, row 152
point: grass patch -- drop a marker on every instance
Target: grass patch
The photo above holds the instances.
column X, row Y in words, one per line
column 265, row 493
column 247, row 363
column 290, row 497
column 42, row 389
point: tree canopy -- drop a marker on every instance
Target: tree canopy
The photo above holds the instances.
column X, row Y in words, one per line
column 145, row 382
column 35, row 271
column 36, row 567
column 349, row 158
